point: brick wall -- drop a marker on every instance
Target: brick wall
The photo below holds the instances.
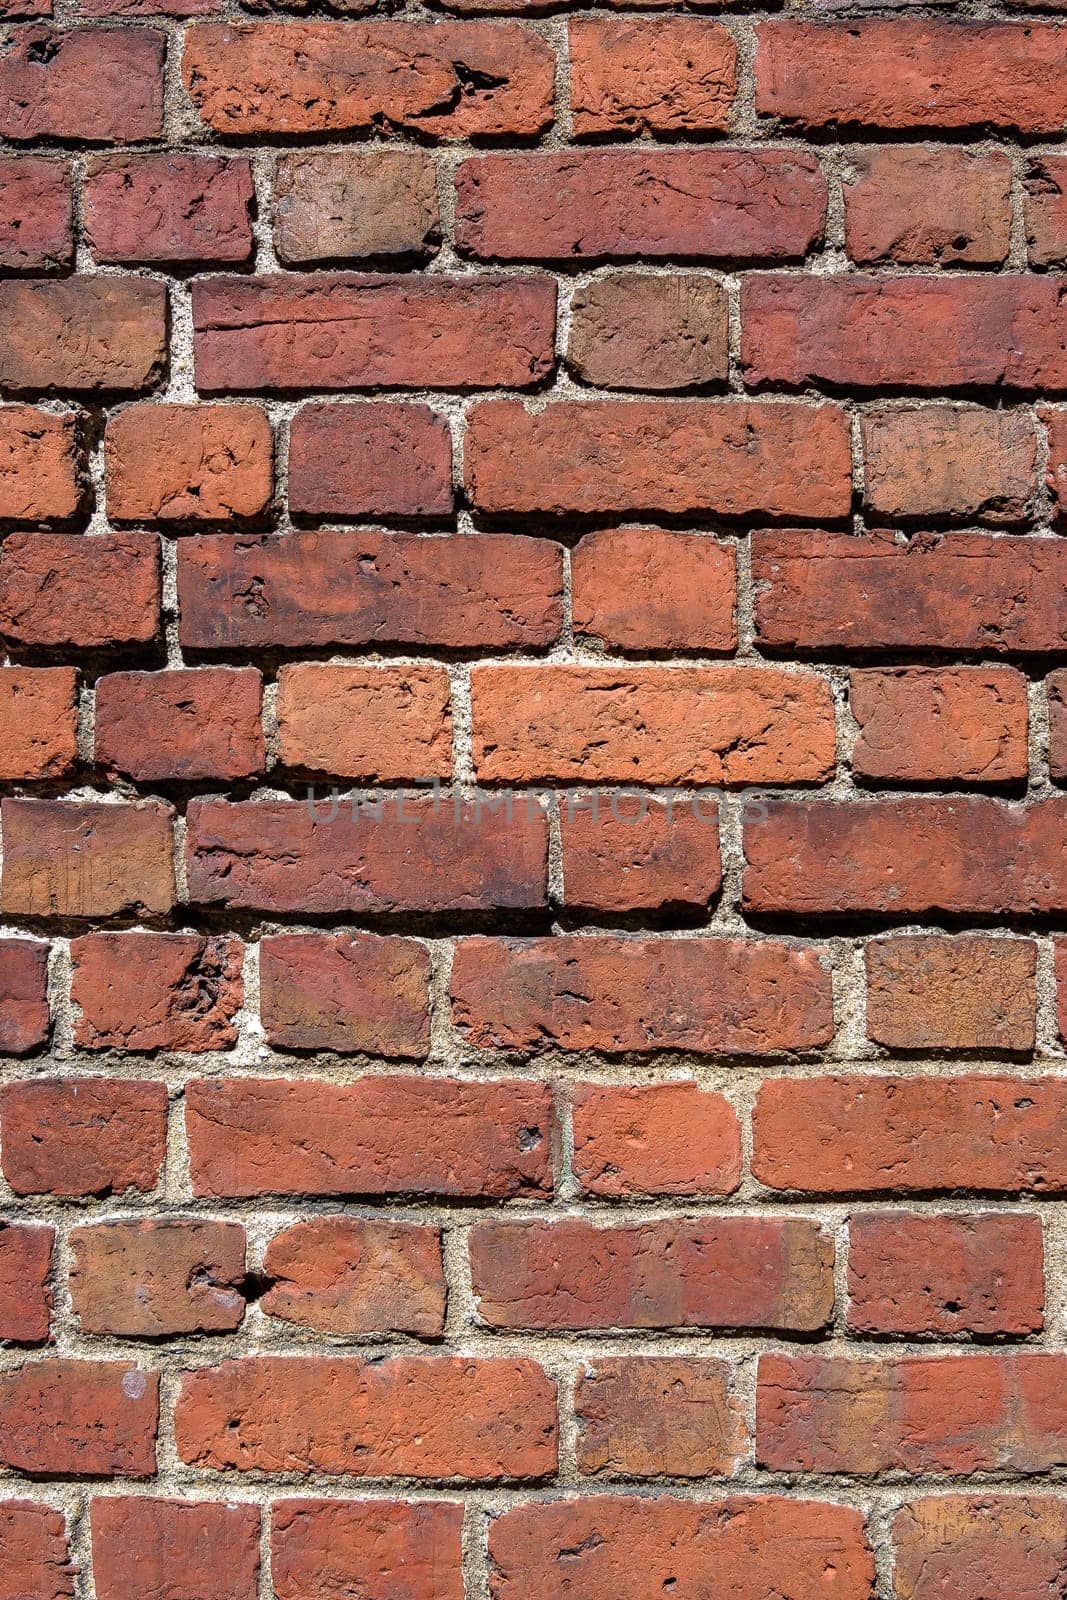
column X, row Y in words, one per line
column 645, row 1187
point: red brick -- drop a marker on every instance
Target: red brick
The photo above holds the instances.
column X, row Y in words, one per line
column 1060, row 967
column 252, row 1136
column 600, row 205
column 410, row 1416
column 419, row 856
column 898, row 72
column 83, row 1136
column 349, row 1276
column 940, row 725
column 451, row 80
column 338, row 588
column 370, row 461
column 950, row 1414
column 959, row 856
column 349, row 331
column 152, row 1549
column 33, row 1552
column 156, row 991
column 865, row 1135
column 23, row 996
column 80, row 858
column 169, row 209
column 712, row 996
column 86, row 1419
column 734, row 458
column 346, row 993
column 1057, row 716
column 882, row 591
column 323, row 1548
column 928, row 205
column 934, row 994
column 359, row 205
column 949, row 461
column 83, row 335
column 627, row 854
column 182, row 725
column 649, row 724
column 913, row 1272
column 150, row 1278
column 651, row 74
column 649, row 589
column 1055, row 421
column 632, row 330
column 35, row 214
column 960, row 1547
column 41, row 470
column 646, row 1417
column 1045, row 211
column 82, row 83
column 380, row 723
column 629, row 1548
column 1004, row 329
column 196, row 464
column 88, row 593
column 39, row 715
column 25, row 1289
column 657, row 1139
column 146, row 8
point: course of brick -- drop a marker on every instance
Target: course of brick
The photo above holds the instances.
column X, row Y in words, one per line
column 533, row 800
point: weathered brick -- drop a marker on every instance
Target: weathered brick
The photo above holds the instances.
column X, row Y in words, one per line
column 156, row 991
column 960, row 1547
column 346, row 993
column 1060, row 968
column 25, row 1290
column 933, row 994
column 647, row 589
column 713, row 996
column 723, row 1272
column 356, row 205
column 181, row 725
column 381, row 723
column 651, row 74
column 602, row 205
column 928, row 205
column 196, row 464
column 23, row 996
column 630, row 854
column 1057, row 717
column 169, row 209
column 451, row 80
column 82, row 335
column 146, row 1548
column 83, row 1136
column 276, row 1136
column 646, row 1417
column 939, row 725
column 320, row 1548
column 633, row 330
column 82, row 858
column 376, row 461
column 150, row 1278
column 35, row 214
column 1045, row 211
column 41, row 467
column 39, row 716
column 909, row 1135
column 1055, row 421
column 82, row 83
column 345, row 1275
column 34, row 1556
column 949, row 461
column 656, row 1139
column 88, row 593
column 410, row 1416
column 913, row 1272
column 85, row 1419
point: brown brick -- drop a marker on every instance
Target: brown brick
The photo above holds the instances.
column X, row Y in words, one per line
column 82, row 1419
column 39, row 716
column 928, row 205
column 346, row 993
column 156, row 991
column 152, row 1549
column 175, row 464
column 651, row 74
column 346, row 1275
column 635, row 331
column 33, row 1552
column 82, row 335
column 25, row 1290
column 1045, row 203
column 656, row 1139
column 932, row 994
column 958, row 1547
column 41, row 468
column 150, row 1278
column 625, row 853
column 713, row 996
column 914, row 1272
column 80, row 858
column 169, row 209
column 647, row 589
column 88, row 593
column 320, row 1548
column 451, row 80
column 650, row 1417
column 939, row 725
column 380, row 723
column 949, row 461
column 182, row 725
column 82, row 83
column 35, row 214
column 375, row 461
column 355, row 205
column 83, row 1136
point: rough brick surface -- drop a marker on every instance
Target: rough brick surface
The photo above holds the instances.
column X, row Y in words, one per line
column 949, row 462
column 351, row 1277
column 370, row 461
column 332, row 992
column 321, row 1547
column 36, row 233
column 634, row 331
column 188, row 991
column 41, row 475
column 146, row 1548
column 667, row 1139
column 198, row 464
column 34, row 1552
column 928, row 994
column 39, row 713
column 646, row 589
column 63, row 590
column 626, row 855
column 82, row 335
column 639, row 1417
column 651, row 75
column 23, row 995
column 83, row 1137
column 954, row 1546
column 91, row 1419
column 84, row 859
column 25, row 1286
column 182, row 725
column 385, row 723
column 929, row 725
column 347, row 205
column 922, row 206
column 169, row 209
column 145, row 1279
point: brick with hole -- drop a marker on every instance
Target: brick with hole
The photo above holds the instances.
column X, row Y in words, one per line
column 929, row 725
column 376, row 461
column 912, row 1272
column 66, row 590
column 24, row 1016
column 350, row 1276
column 84, row 859
column 41, row 466
column 624, row 853
column 169, row 209
column 156, row 991
column 39, row 715
column 34, row 1553
column 36, row 224
column 927, row 205
column 430, row 1417
column 650, row 589
column 355, row 205
column 84, row 1419
column 651, row 75
column 654, row 1139
column 83, row 1136
column 1045, row 211
column 182, row 726
column 25, row 1284
column 346, row 993
column 379, row 723
column 87, row 335
column 949, row 462
column 176, row 464
column 632, row 330
column 324, row 1548
column 956, row 1546
column 148, row 1548
column 652, row 1416
column 158, row 1276
column 930, row 994
column 84, row 84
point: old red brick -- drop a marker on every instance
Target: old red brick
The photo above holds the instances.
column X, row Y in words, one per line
column 346, row 993
column 156, row 991
column 346, row 1275
column 649, row 1416
column 83, row 1136
column 39, row 716
column 88, row 593
column 154, row 1277
column 146, row 1548
column 661, row 1139
column 949, row 461
column 169, row 209
column 1045, row 202
column 939, row 725
column 413, row 1546
column 82, row 335
column 1055, row 421
column 41, row 467
column 82, row 858
column 651, row 74
column 374, row 461
column 625, row 853
column 23, row 995
column 182, row 725
column 82, row 83
column 198, row 464
column 928, row 205
column 632, row 330
column 25, row 1290
column 351, row 204
column 933, row 994
column 34, row 1557
column 86, row 1419
column 647, row 589
column 954, row 1547
column 35, row 214
column 384, row 723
